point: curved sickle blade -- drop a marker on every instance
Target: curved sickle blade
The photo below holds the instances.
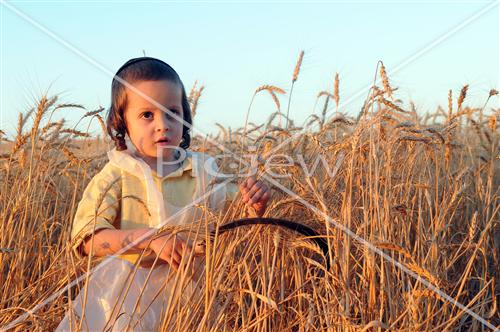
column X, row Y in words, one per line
column 291, row 225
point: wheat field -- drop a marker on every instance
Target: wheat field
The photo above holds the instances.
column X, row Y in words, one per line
column 421, row 188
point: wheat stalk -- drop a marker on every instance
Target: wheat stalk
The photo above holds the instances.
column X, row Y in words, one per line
column 461, row 97
column 294, row 79
column 192, row 92
column 297, row 67
column 92, row 113
column 385, row 80
column 391, row 105
column 195, row 99
column 75, row 132
column 492, row 122
column 102, row 124
column 273, row 90
column 336, row 90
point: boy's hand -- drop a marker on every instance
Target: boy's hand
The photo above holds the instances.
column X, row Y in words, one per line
column 255, row 194
column 170, row 249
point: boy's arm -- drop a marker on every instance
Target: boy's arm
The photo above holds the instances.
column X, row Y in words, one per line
column 97, row 209
column 110, row 241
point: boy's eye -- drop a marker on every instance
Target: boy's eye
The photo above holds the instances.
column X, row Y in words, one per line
column 170, row 115
column 147, row 115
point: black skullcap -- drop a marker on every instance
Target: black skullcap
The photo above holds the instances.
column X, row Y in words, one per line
column 142, row 58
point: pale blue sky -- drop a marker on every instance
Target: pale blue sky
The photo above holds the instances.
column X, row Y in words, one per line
column 233, row 48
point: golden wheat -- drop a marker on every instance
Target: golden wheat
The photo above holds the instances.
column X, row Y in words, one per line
column 433, row 212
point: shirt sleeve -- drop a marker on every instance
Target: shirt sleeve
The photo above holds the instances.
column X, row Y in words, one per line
column 97, row 209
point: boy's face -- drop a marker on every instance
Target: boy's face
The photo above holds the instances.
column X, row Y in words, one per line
column 153, row 131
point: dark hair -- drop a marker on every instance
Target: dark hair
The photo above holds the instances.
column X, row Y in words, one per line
column 141, row 69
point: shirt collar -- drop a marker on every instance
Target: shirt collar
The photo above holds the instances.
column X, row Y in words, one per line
column 186, row 166
column 127, row 161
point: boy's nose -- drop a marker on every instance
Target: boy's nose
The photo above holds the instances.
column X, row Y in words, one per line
column 162, row 123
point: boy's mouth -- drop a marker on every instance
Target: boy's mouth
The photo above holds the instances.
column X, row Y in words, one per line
column 163, row 141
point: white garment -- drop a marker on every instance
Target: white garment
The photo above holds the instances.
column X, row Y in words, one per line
column 110, row 280
column 107, row 286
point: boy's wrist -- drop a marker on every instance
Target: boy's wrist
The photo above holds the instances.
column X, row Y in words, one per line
column 143, row 236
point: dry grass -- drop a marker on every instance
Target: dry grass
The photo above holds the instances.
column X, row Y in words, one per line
column 425, row 189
